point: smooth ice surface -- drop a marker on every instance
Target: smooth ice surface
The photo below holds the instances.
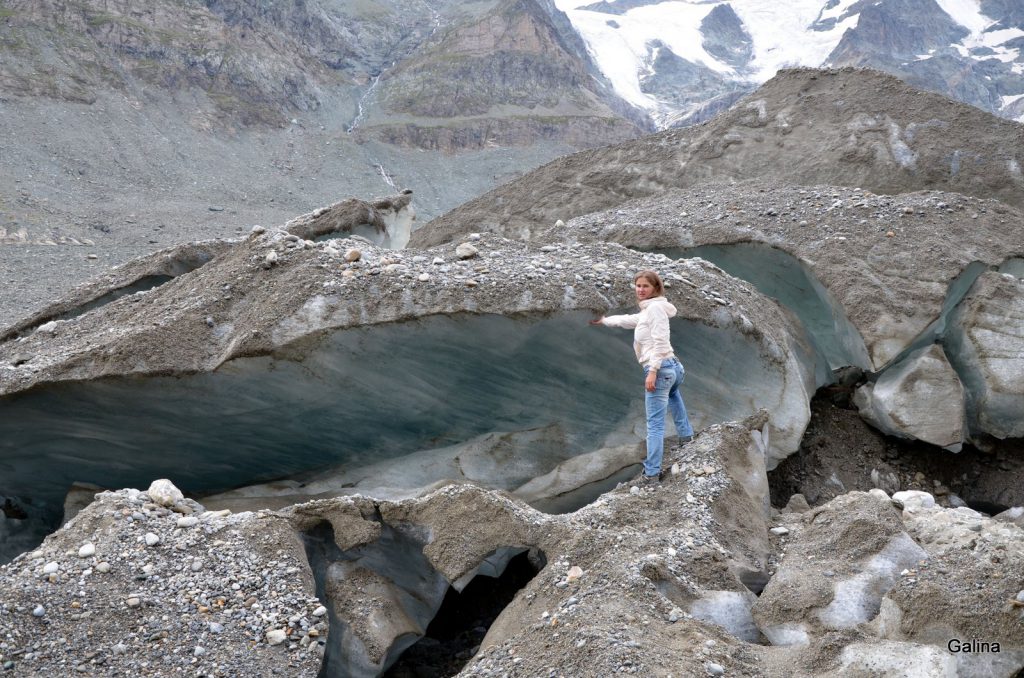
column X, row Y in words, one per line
column 985, row 343
column 357, row 397
column 730, row 610
column 785, row 278
column 858, row 599
column 920, row 397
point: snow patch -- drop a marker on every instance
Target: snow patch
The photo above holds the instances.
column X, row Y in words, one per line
column 780, row 33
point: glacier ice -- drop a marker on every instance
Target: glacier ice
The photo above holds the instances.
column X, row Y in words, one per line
column 730, row 610
column 920, row 397
column 859, row 598
column 785, row 278
column 352, row 398
column 985, row 342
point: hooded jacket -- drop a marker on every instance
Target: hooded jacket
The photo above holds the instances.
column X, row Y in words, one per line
column 650, row 330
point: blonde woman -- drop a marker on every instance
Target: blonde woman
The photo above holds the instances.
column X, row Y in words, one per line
column 663, row 372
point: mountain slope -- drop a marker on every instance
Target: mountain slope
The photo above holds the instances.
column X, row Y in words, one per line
column 967, row 50
column 843, row 127
column 510, row 77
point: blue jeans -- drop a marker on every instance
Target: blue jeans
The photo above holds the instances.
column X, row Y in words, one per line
column 665, row 396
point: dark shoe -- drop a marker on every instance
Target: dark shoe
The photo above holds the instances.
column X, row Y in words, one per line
column 649, row 480
column 685, row 439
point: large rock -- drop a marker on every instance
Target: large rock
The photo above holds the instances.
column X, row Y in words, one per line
column 920, row 397
column 986, row 343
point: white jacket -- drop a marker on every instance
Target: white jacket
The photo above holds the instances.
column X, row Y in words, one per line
column 650, row 330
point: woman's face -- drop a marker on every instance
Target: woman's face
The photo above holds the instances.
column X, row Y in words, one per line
column 644, row 289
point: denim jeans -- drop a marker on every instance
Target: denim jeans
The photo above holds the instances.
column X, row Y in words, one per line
column 665, row 396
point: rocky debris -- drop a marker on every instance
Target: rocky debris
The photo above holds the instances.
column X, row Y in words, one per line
column 904, row 579
column 202, row 600
column 836, row 569
column 386, row 221
column 137, row 275
column 878, row 134
column 643, row 578
column 841, row 453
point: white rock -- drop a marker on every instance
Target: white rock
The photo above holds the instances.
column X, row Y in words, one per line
column 779, row 531
column 920, row 398
column 271, row 258
column 320, row 611
column 87, row 550
column 914, row 499
column 423, row 277
column 907, row 660
column 474, row 236
column 258, row 230
column 51, row 568
column 276, row 636
column 38, row 611
column 353, row 254
column 163, row 493
column 466, row 251
column 103, row 567
column 188, row 521
column 1013, row 515
column 151, row 539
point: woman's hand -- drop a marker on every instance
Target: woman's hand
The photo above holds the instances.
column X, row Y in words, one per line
column 597, row 320
column 652, row 376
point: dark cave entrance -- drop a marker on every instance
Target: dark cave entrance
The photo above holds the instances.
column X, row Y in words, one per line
column 842, row 453
column 454, row 635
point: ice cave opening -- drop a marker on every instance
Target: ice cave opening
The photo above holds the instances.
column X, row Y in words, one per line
column 385, row 411
column 421, row 624
column 457, row 630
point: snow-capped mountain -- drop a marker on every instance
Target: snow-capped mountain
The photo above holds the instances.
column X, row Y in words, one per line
column 683, row 61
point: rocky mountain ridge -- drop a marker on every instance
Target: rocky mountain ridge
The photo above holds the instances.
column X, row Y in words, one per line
column 848, row 127
column 684, row 62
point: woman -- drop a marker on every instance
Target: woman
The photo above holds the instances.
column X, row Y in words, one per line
column 664, row 374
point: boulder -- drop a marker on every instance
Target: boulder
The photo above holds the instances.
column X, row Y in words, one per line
column 920, row 398
column 986, row 343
